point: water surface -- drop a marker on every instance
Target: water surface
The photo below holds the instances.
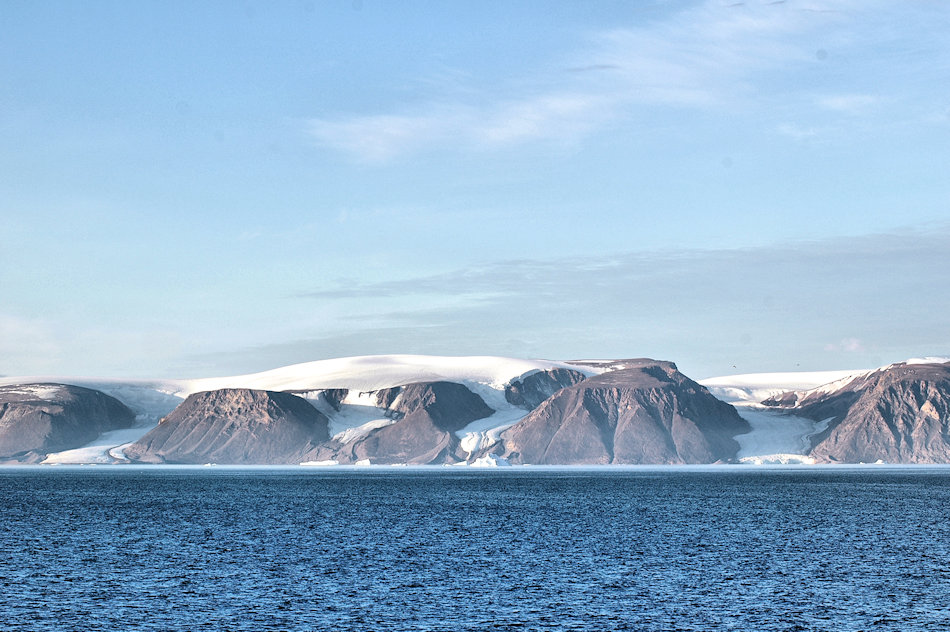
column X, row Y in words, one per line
column 447, row 549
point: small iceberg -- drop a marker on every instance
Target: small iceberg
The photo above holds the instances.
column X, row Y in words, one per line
column 490, row 460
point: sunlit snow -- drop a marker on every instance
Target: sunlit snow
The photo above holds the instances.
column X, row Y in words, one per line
column 107, row 448
column 775, row 436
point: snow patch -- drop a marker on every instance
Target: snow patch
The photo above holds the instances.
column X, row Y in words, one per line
column 483, row 433
column 490, row 460
column 107, row 448
column 756, row 387
column 374, row 373
column 358, row 432
column 776, row 436
column 928, row 360
column 39, row 391
column 778, row 459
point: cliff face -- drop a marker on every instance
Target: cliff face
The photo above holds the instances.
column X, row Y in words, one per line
column 900, row 414
column 426, row 414
column 648, row 412
column 528, row 392
column 239, row 426
column 36, row 419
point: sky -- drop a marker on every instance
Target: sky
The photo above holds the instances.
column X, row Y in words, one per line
column 194, row 189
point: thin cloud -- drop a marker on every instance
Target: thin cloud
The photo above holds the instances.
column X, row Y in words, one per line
column 797, row 132
column 707, row 56
column 849, row 345
column 381, row 137
column 376, row 139
column 781, row 302
column 848, row 103
column 592, row 68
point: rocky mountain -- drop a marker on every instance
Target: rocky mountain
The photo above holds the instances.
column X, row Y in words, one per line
column 529, row 391
column 240, row 426
column 36, row 419
column 429, row 409
column 898, row 414
column 645, row 412
column 426, row 417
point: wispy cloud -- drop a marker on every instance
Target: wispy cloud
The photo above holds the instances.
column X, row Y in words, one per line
column 848, row 103
column 373, row 139
column 381, row 137
column 849, row 345
column 798, row 132
column 760, row 308
column 709, row 55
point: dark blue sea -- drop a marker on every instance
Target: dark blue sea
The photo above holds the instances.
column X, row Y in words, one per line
column 311, row 549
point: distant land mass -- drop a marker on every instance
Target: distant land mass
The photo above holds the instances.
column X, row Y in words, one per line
column 483, row 411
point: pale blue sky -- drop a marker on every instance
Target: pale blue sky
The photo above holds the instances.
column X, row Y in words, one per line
column 212, row 188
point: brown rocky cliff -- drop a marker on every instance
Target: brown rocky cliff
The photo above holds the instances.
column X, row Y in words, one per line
column 43, row 418
column 900, row 414
column 531, row 390
column 650, row 413
column 237, row 426
column 427, row 416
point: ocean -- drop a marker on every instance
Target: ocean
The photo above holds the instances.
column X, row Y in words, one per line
column 755, row 548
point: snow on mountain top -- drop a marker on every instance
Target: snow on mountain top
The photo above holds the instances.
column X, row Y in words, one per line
column 35, row 390
column 485, row 375
column 755, row 387
column 372, row 373
column 752, row 388
column 928, row 360
column 837, row 385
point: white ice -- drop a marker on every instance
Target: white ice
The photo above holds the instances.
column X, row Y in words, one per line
column 490, row 460
column 775, row 437
column 756, row 387
column 39, row 391
column 107, row 448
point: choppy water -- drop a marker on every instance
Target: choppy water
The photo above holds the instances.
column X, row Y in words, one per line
column 160, row 549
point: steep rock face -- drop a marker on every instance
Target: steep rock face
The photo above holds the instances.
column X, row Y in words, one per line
column 646, row 413
column 239, row 426
column 335, row 397
column 899, row 414
column 36, row 419
column 427, row 416
column 528, row 392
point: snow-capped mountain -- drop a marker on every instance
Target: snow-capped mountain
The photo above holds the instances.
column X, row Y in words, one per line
column 897, row 414
column 432, row 409
column 345, row 390
column 646, row 412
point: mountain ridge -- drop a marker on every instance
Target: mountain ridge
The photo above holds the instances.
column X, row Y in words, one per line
column 356, row 395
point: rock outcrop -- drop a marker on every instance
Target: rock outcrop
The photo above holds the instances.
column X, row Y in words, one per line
column 529, row 391
column 898, row 414
column 647, row 412
column 37, row 419
column 425, row 416
column 237, row 426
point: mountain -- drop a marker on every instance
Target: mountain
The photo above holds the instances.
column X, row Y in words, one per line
column 896, row 414
column 425, row 418
column 485, row 409
column 37, row 419
column 531, row 390
column 645, row 412
column 343, row 389
column 239, row 426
